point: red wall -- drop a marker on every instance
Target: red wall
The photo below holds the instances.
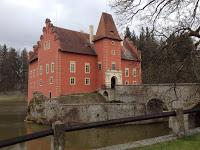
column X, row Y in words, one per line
column 32, row 79
column 131, row 64
column 80, row 74
column 104, row 49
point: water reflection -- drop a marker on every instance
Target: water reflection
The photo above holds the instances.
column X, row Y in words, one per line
column 12, row 124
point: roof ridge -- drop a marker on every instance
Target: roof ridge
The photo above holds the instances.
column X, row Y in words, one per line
column 71, row 30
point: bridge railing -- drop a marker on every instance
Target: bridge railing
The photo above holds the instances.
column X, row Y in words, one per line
column 58, row 129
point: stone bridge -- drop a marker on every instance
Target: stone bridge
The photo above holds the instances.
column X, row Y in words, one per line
column 155, row 98
column 184, row 95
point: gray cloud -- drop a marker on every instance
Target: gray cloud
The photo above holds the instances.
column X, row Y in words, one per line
column 21, row 21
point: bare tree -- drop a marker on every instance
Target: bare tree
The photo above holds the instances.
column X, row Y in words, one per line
column 165, row 17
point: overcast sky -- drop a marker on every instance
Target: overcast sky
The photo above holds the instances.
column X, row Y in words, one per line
column 21, row 21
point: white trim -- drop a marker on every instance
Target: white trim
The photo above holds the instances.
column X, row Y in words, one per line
column 113, row 52
column 126, row 82
column 126, row 69
column 71, row 79
column 134, row 82
column 88, row 81
column 47, row 68
column 87, row 64
column 134, row 72
column 40, row 70
column 70, row 69
column 51, row 80
column 52, row 67
column 40, row 82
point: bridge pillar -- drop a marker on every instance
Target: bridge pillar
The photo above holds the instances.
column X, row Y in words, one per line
column 58, row 142
column 177, row 123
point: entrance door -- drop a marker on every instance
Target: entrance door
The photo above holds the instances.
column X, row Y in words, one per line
column 113, row 82
column 49, row 94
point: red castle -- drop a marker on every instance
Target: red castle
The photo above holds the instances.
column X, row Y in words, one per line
column 65, row 62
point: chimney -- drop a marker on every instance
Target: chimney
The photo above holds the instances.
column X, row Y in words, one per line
column 91, row 30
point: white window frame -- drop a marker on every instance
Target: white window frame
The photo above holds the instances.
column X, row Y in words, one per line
column 41, row 70
column 34, row 75
column 51, row 80
column 72, row 63
column 70, row 79
column 113, row 63
column 126, row 69
column 88, row 81
column 87, row 64
column 40, row 82
column 47, row 45
column 113, row 52
column 134, row 72
column 47, row 68
column 134, row 82
column 100, row 64
column 52, row 67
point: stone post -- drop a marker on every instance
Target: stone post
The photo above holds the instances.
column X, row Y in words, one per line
column 178, row 124
column 58, row 142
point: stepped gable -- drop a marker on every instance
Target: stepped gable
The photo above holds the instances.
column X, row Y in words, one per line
column 107, row 28
column 74, row 42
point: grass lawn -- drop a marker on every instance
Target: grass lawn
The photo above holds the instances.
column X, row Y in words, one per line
column 12, row 96
column 187, row 143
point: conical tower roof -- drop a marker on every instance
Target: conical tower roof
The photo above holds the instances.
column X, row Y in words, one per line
column 107, row 28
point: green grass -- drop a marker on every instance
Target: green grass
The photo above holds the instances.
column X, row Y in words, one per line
column 187, row 143
column 12, row 96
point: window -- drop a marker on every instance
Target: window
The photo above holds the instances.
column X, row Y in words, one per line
column 113, row 42
column 99, row 65
column 37, row 72
column 134, row 72
column 126, row 82
column 47, row 45
column 52, row 67
column 47, row 68
column 113, row 52
column 40, row 82
column 87, row 81
column 113, row 66
column 126, row 72
column 134, row 82
column 87, row 68
column 33, row 73
column 41, row 70
column 72, row 66
column 72, row 81
column 51, row 80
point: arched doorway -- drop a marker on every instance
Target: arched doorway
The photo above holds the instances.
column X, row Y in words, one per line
column 49, row 94
column 105, row 93
column 113, row 82
column 155, row 106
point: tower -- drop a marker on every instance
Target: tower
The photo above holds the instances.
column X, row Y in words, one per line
column 107, row 43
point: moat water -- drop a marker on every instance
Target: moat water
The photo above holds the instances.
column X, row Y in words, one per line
column 12, row 124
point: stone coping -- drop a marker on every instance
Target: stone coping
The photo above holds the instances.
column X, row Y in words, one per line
column 162, row 84
column 82, row 104
column 146, row 142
